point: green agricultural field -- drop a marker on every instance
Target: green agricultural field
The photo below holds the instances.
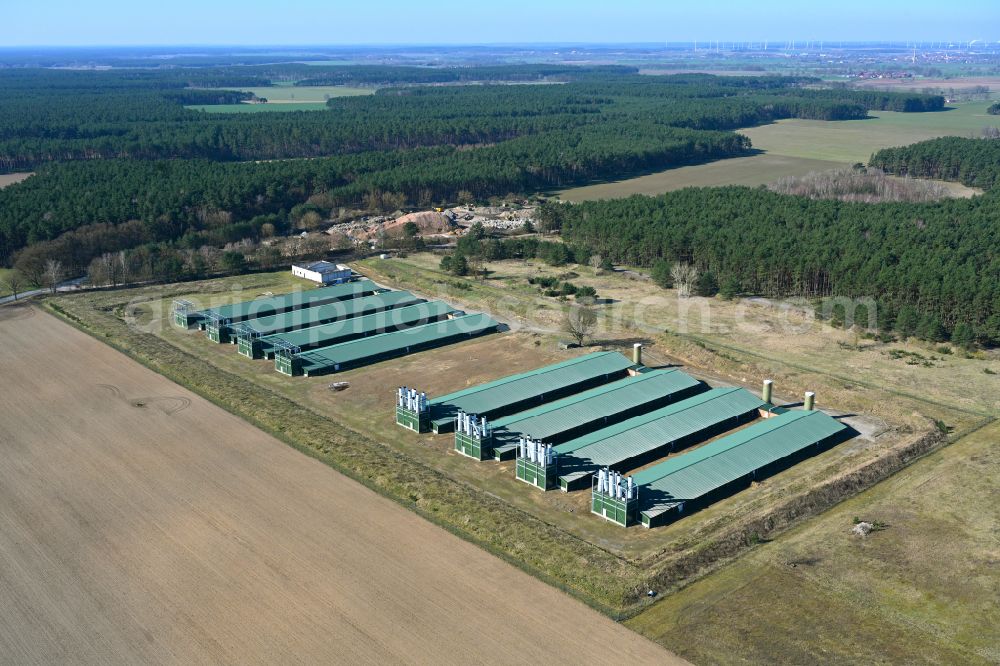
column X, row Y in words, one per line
column 258, row 108
column 923, row 590
column 796, row 147
column 290, row 94
column 855, row 140
column 750, row 171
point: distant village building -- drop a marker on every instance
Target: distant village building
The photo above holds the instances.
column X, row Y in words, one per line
column 322, row 272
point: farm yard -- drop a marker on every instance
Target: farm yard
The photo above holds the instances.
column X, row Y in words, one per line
column 796, row 147
column 367, row 406
column 547, row 532
column 155, row 531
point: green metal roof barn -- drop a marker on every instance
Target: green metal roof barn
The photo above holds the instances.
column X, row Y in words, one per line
column 701, row 475
column 272, row 305
column 515, row 392
column 345, row 330
column 654, row 433
column 249, row 333
column 562, row 419
column 290, row 321
column 379, row 347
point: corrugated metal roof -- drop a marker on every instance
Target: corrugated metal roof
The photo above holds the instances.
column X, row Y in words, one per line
column 323, row 267
column 389, row 343
column 289, row 321
column 642, row 434
column 329, row 334
column 546, row 421
column 294, row 300
column 485, row 398
column 712, row 466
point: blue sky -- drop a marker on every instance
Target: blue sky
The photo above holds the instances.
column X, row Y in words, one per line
column 331, row 22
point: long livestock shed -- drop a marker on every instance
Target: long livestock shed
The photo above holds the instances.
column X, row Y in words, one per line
column 699, row 477
column 364, row 351
column 516, row 392
column 218, row 322
column 563, row 419
column 249, row 333
column 346, row 330
column 644, row 438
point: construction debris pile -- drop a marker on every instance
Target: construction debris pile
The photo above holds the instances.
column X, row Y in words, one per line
column 443, row 223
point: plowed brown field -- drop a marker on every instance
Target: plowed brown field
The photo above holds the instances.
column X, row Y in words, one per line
column 141, row 524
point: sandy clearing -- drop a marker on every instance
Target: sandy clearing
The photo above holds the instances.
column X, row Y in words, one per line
column 140, row 523
column 11, row 178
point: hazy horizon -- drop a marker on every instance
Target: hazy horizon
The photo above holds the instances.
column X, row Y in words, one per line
column 707, row 45
column 305, row 23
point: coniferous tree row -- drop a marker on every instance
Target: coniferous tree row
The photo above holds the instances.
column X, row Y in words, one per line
column 938, row 262
column 972, row 162
column 173, row 197
column 123, row 164
column 57, row 116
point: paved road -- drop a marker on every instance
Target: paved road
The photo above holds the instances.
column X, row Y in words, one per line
column 69, row 285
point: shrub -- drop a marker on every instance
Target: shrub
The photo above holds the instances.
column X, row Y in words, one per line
column 730, row 288
column 706, row 285
column 907, row 321
column 233, row 262
column 931, row 329
column 661, row 274
column 459, row 265
column 963, row 335
column 544, row 282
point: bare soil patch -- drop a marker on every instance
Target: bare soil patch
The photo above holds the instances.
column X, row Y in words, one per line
column 11, row 178
column 141, row 524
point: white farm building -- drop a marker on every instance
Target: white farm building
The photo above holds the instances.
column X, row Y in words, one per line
column 322, row 272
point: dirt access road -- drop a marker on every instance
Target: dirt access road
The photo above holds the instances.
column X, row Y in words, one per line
column 141, row 524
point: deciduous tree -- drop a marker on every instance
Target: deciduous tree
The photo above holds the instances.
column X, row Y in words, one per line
column 53, row 274
column 580, row 321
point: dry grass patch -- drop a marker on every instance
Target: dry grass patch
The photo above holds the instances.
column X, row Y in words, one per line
column 920, row 591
